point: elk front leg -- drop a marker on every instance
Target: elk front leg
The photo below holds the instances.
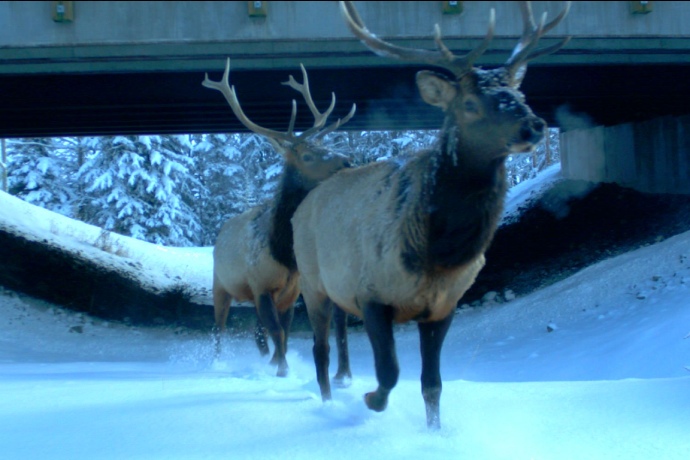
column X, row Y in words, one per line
column 269, row 317
column 431, row 336
column 260, row 337
column 320, row 311
column 344, row 375
column 378, row 322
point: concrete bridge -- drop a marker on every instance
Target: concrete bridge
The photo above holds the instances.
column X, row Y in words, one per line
column 70, row 68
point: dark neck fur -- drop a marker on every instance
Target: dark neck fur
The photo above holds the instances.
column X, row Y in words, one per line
column 291, row 192
column 465, row 203
column 464, row 200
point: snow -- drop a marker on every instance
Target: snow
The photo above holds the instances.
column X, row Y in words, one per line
column 609, row 381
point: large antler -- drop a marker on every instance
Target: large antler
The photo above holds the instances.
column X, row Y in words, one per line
column 525, row 50
column 460, row 65
column 443, row 57
column 229, row 92
column 319, row 118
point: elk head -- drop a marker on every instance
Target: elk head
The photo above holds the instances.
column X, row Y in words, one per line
column 302, row 152
column 484, row 107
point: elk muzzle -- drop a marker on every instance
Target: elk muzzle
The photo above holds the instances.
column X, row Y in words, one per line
column 530, row 133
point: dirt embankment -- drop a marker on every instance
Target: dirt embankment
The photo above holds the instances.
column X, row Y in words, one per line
column 567, row 228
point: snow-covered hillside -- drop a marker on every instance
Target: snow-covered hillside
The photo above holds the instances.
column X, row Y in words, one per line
column 591, row 367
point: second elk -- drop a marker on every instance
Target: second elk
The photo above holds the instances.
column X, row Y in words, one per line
column 396, row 240
column 253, row 259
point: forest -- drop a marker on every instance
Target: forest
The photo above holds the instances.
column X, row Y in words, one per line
column 177, row 190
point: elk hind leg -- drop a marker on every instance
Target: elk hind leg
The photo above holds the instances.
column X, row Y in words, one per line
column 320, row 311
column 343, row 376
column 269, row 317
column 378, row 322
column 431, row 336
column 221, row 308
column 285, row 318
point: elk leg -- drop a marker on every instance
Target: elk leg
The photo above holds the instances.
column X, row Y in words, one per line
column 221, row 308
column 378, row 322
column 285, row 323
column 269, row 317
column 344, row 375
column 320, row 311
column 260, row 337
column 431, row 336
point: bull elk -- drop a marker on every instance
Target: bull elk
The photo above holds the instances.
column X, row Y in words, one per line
column 396, row 241
column 253, row 258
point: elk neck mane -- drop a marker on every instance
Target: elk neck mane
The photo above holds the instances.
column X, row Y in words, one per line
column 291, row 191
column 459, row 207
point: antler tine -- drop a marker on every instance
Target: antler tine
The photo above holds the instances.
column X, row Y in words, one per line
column 525, row 49
column 293, row 117
column 229, row 92
column 303, row 88
column 558, row 18
column 462, row 64
column 379, row 46
column 333, row 126
column 443, row 57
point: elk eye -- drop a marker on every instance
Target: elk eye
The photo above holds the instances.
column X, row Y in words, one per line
column 307, row 158
column 471, row 106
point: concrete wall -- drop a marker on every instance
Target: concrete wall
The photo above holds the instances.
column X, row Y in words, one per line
column 119, row 36
column 30, row 23
column 651, row 156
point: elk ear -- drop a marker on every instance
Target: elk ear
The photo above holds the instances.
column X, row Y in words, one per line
column 435, row 89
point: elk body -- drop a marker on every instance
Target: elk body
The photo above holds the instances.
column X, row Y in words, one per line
column 400, row 240
column 253, row 258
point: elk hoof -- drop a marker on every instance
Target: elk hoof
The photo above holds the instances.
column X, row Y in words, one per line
column 282, row 370
column 263, row 351
column 375, row 401
column 342, row 380
column 433, row 423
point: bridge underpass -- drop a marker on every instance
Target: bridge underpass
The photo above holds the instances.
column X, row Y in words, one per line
column 175, row 102
column 137, row 67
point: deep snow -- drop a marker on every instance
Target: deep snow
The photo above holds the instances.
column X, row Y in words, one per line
column 608, row 382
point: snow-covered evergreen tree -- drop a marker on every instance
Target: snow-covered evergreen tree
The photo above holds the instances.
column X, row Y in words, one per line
column 179, row 190
column 40, row 173
column 522, row 167
column 238, row 171
column 141, row 186
column 368, row 146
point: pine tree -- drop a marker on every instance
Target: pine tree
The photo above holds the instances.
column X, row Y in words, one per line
column 40, row 173
column 237, row 172
column 137, row 187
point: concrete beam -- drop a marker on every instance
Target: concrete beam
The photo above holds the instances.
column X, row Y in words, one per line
column 191, row 36
column 651, row 156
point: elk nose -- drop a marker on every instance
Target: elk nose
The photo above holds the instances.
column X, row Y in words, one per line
column 346, row 164
column 532, row 130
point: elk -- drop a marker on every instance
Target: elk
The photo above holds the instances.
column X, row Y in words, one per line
column 253, row 258
column 396, row 241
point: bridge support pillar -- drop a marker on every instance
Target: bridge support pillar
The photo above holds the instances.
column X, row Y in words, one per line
column 651, row 156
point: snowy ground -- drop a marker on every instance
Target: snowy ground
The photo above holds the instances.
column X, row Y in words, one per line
column 609, row 380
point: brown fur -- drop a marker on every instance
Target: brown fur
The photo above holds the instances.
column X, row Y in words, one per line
column 404, row 239
column 253, row 258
